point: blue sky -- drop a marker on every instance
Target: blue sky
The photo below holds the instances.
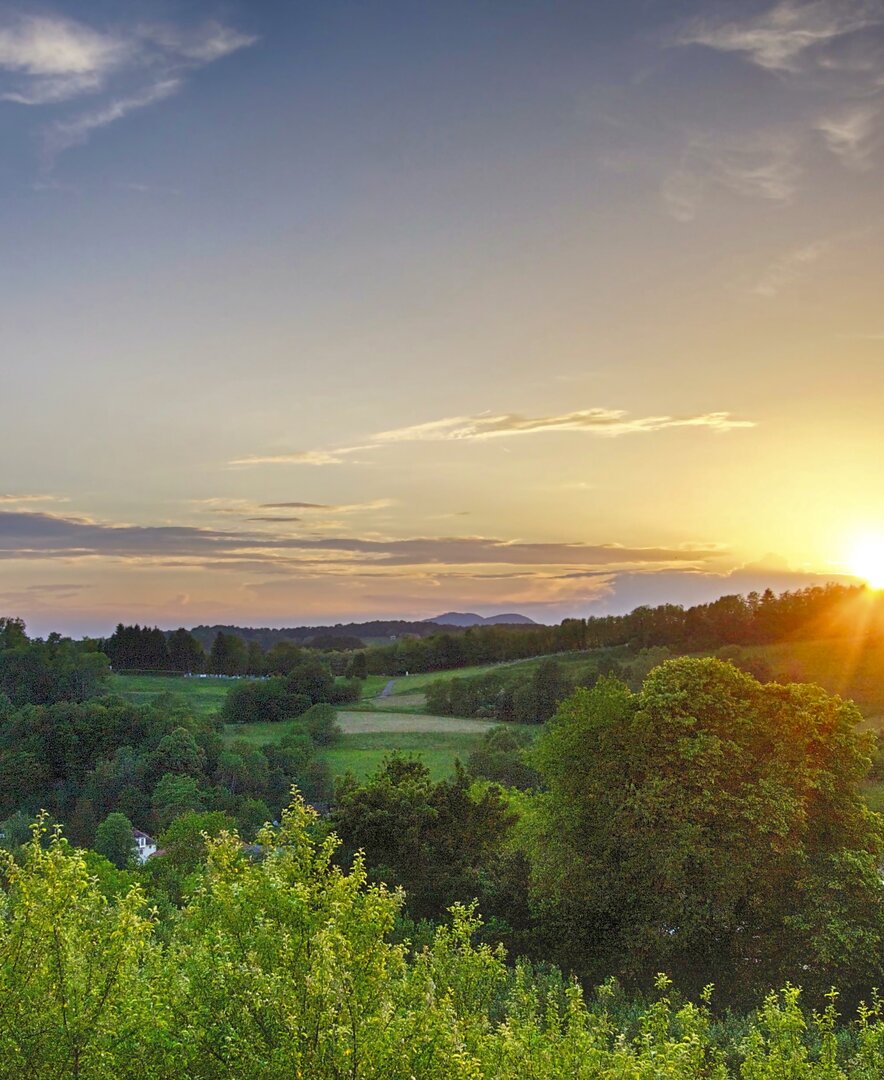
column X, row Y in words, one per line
column 320, row 311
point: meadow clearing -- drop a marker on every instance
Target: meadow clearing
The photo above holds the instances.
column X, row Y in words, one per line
column 390, row 716
column 376, row 727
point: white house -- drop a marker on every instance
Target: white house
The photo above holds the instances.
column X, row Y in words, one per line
column 146, row 846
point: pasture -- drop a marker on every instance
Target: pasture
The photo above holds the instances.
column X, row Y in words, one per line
column 853, row 669
column 205, row 696
column 369, row 737
column 369, row 734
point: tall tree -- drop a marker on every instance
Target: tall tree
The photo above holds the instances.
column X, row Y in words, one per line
column 185, row 652
column 115, row 840
column 712, row 827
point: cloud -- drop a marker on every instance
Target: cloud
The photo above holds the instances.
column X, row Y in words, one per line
column 605, row 422
column 611, row 423
column 51, row 59
column 782, row 37
column 787, row 269
column 295, row 506
column 15, row 499
column 57, row 58
column 271, row 518
column 337, row 508
column 65, row 134
column 299, row 457
column 38, row 535
column 762, row 165
column 849, row 134
column 200, row 45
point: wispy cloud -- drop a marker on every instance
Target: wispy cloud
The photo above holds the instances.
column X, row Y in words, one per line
column 763, row 165
column 605, row 422
column 832, row 51
column 65, row 134
column 50, row 59
column 300, row 457
column 336, row 508
column 786, row 34
column 610, row 423
column 55, row 58
column 849, row 134
column 788, row 268
column 31, row 498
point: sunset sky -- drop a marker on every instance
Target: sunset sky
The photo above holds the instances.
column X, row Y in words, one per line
column 326, row 311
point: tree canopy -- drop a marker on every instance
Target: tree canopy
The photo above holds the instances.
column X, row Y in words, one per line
column 710, row 826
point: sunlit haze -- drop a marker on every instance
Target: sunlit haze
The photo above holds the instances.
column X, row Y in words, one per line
column 328, row 311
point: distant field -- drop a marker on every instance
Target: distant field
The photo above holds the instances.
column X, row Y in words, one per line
column 369, row 723
column 837, row 665
column 204, row 695
column 369, row 736
column 363, row 754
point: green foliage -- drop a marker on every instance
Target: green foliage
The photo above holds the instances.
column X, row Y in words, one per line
column 46, row 672
column 711, row 826
column 357, row 668
column 229, row 655
column 115, row 840
column 439, row 841
column 501, row 757
column 321, row 724
column 174, row 796
column 75, row 970
column 284, row 967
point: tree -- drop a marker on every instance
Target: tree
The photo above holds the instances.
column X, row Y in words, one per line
column 312, row 679
column 15, row 831
column 178, row 752
column 501, row 757
column 173, row 796
column 357, row 667
column 710, row 826
column 321, row 724
column 185, row 652
column 12, row 633
column 439, row 841
column 282, row 657
column 229, row 655
column 115, row 840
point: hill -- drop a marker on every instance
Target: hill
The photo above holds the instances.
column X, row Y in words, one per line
column 469, row 618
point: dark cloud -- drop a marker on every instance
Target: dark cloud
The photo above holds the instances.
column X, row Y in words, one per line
column 295, row 506
column 40, row 535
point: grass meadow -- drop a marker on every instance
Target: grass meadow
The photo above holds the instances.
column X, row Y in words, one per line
column 397, row 721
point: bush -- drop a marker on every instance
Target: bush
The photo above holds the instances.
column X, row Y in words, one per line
column 321, row 724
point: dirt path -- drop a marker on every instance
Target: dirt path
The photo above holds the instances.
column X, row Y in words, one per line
column 355, row 723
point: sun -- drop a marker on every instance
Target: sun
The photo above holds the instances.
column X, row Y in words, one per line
column 867, row 559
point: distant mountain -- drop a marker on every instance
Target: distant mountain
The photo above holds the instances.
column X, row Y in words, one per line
column 469, row 618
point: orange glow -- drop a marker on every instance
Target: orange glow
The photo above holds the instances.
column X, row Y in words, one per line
column 867, row 560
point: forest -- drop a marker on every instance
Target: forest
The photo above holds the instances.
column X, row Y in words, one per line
column 632, row 874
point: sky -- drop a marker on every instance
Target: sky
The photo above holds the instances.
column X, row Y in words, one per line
column 325, row 311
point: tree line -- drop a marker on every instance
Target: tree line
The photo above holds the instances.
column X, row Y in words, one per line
column 758, row 618
column 149, row 649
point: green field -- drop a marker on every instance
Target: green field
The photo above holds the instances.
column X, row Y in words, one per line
column 838, row 665
column 370, row 736
column 397, row 721
column 369, row 733
column 205, row 696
